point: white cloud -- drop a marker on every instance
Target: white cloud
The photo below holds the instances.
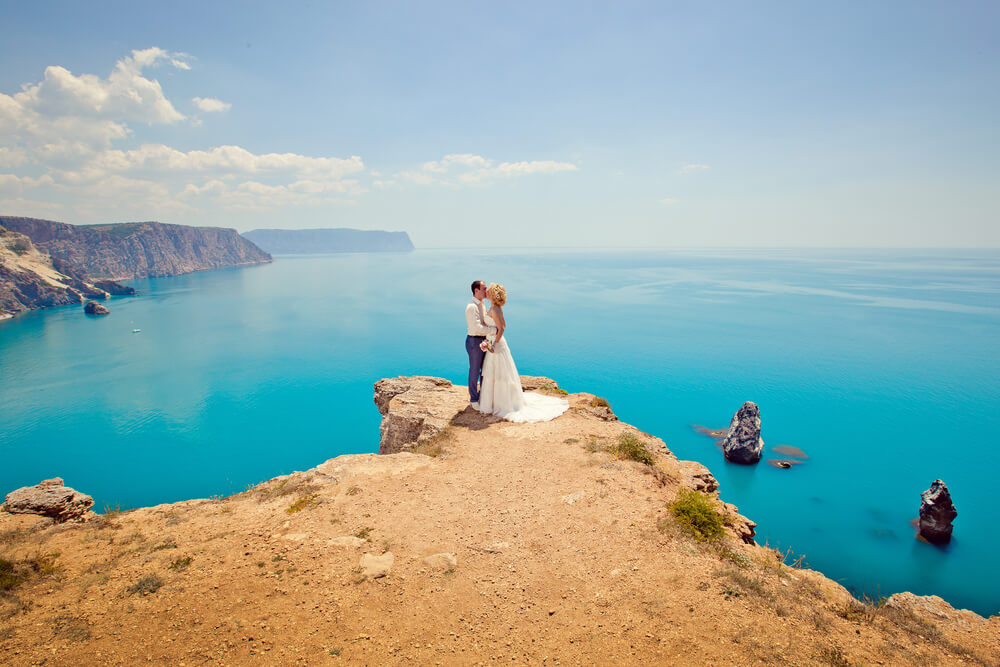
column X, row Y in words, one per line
column 210, row 104
column 31, row 208
column 254, row 195
column 690, row 167
column 459, row 169
column 668, row 201
column 12, row 157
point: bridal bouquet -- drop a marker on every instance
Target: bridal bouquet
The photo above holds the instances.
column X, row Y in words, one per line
column 486, row 346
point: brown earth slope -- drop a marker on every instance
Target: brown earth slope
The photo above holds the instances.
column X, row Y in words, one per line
column 510, row 543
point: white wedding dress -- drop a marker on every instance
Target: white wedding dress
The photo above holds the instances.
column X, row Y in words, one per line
column 500, row 393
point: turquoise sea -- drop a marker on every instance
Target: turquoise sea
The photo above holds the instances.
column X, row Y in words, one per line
column 882, row 366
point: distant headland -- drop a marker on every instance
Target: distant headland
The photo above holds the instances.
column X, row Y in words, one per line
column 314, row 241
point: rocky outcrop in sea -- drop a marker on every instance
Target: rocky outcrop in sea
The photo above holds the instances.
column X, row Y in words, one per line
column 94, row 308
column 937, row 511
column 743, row 443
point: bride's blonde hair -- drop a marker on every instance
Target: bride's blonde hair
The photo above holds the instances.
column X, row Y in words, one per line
column 497, row 294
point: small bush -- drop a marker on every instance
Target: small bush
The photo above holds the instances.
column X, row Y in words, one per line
column 834, row 657
column 696, row 513
column 44, row 563
column 148, row 584
column 599, row 402
column 19, row 247
column 363, row 533
column 180, row 563
column 303, row 502
column 164, row 545
column 354, row 490
column 10, row 576
column 631, row 447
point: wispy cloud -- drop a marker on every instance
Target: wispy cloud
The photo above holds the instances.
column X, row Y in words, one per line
column 693, row 167
column 668, row 201
column 210, row 104
column 463, row 169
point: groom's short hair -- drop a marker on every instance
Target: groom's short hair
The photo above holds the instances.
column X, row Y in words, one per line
column 477, row 284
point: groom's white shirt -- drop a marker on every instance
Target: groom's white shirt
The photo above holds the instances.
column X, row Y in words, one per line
column 475, row 317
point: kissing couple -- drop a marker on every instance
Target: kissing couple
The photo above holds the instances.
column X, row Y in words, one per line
column 494, row 384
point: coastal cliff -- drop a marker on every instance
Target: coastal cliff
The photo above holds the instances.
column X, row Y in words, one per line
column 581, row 540
column 28, row 280
column 132, row 250
column 308, row 241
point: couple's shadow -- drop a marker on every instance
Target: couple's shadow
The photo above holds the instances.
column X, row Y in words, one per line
column 473, row 419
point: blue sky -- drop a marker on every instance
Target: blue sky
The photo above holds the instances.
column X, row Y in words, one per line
column 513, row 124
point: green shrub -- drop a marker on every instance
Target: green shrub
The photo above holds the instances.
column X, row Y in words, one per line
column 696, row 513
column 599, row 402
column 631, row 447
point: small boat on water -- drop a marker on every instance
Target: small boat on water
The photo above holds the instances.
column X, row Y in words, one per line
column 136, row 330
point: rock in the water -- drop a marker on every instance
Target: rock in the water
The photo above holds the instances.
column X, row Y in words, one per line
column 49, row 498
column 743, row 443
column 94, row 308
column 936, row 513
column 373, row 566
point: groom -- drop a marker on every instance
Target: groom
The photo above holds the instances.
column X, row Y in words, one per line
column 475, row 318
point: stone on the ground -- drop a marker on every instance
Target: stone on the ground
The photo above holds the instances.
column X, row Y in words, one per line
column 573, row 497
column 743, row 443
column 373, row 566
column 937, row 511
column 49, row 498
column 443, row 561
column 94, row 308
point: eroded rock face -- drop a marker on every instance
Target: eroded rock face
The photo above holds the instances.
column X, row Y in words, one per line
column 49, row 498
column 696, row 476
column 937, row 511
column 743, row 443
column 94, row 308
column 415, row 408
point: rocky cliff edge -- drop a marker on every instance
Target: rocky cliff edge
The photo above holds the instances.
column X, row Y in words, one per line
column 476, row 542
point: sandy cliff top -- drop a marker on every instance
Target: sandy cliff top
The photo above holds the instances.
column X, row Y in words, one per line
column 509, row 543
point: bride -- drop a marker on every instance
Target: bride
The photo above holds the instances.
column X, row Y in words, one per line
column 501, row 392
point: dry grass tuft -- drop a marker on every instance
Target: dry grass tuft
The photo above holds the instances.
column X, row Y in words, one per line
column 303, row 502
column 631, row 447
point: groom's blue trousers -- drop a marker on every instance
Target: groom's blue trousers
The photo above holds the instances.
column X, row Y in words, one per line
column 476, row 357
